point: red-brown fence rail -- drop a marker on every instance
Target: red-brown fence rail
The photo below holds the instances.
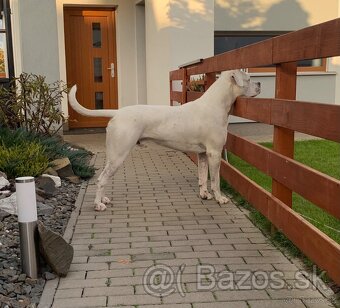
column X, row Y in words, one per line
column 287, row 115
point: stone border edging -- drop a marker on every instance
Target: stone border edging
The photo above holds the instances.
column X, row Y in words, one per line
column 47, row 297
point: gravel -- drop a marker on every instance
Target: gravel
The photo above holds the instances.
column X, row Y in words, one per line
column 17, row 290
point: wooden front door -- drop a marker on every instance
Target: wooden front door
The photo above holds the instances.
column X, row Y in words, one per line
column 91, row 62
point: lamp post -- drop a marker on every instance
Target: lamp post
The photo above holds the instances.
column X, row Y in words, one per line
column 28, row 230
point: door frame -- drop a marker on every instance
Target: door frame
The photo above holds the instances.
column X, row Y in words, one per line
column 112, row 95
column 60, row 5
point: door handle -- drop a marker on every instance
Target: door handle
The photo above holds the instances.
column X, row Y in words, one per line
column 112, row 69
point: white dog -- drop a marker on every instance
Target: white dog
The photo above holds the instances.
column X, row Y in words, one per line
column 199, row 126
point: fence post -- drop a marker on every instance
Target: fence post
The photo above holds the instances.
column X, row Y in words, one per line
column 283, row 139
column 184, row 85
column 170, row 86
column 209, row 80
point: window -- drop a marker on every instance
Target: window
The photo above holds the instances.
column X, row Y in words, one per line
column 227, row 40
column 6, row 54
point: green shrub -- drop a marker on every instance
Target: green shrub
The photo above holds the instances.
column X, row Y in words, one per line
column 24, row 159
column 30, row 102
column 54, row 147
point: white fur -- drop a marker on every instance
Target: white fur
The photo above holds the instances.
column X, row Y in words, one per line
column 199, row 126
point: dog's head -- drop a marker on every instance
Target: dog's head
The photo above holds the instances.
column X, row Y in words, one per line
column 241, row 83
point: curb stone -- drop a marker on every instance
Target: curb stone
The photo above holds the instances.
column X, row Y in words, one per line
column 50, row 288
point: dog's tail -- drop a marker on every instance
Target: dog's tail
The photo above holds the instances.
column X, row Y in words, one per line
column 109, row 113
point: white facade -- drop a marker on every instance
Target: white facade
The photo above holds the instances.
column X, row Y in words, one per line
column 158, row 36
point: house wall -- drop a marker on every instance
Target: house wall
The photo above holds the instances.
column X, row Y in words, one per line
column 39, row 41
column 272, row 15
column 141, row 54
column 38, row 38
column 285, row 15
column 177, row 31
column 157, row 38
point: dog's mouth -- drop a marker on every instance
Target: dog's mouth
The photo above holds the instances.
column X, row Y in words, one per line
column 256, row 94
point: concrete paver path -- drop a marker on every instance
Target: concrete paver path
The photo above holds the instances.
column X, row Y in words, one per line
column 160, row 238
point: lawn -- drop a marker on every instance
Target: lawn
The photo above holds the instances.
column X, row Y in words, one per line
column 321, row 155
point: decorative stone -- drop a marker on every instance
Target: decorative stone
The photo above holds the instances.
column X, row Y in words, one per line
column 3, row 174
column 50, row 171
column 3, row 215
column 55, row 250
column 49, row 276
column 56, row 179
column 45, row 186
column 5, row 193
column 21, row 277
column 44, row 209
column 63, row 167
column 74, row 179
column 3, row 182
column 9, row 204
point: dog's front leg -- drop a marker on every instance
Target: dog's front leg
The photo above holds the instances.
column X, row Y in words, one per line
column 203, row 176
column 214, row 159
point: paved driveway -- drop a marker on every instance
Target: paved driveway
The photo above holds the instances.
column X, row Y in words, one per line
column 160, row 245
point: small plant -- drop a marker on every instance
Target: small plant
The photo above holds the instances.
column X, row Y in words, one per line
column 24, row 159
column 196, row 84
column 30, row 102
column 54, row 148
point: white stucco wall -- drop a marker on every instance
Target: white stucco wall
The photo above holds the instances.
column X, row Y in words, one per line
column 140, row 54
column 272, row 15
column 177, row 31
column 37, row 38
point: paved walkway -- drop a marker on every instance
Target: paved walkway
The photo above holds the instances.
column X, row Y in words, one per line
column 158, row 225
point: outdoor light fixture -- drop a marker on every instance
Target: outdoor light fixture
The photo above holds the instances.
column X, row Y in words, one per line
column 28, row 230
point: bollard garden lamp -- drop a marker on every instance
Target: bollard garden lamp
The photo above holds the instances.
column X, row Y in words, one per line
column 28, row 226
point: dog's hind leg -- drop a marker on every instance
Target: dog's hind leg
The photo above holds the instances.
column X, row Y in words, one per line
column 100, row 200
column 118, row 147
column 214, row 160
column 203, row 176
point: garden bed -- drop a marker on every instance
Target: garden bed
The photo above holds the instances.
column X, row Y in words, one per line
column 17, row 290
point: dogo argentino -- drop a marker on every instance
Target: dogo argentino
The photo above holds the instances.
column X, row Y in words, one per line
column 199, row 126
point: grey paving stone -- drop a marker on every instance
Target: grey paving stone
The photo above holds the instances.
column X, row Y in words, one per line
column 108, row 291
column 234, row 295
column 166, row 306
column 84, row 283
column 69, row 293
column 318, row 303
column 193, row 297
column 97, row 301
column 294, row 293
column 236, row 304
column 293, row 303
column 153, row 256
column 158, row 218
column 133, row 300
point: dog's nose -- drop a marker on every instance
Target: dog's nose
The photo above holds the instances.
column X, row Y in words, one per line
column 258, row 84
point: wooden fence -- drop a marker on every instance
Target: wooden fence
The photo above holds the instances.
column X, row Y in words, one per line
column 287, row 115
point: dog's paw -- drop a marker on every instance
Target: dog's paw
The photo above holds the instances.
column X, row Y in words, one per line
column 106, row 200
column 222, row 200
column 206, row 195
column 100, row 207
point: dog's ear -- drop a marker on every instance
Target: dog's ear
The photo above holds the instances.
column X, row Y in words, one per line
column 237, row 77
